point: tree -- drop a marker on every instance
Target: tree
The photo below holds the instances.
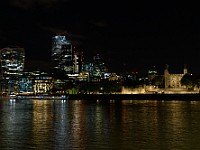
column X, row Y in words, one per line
column 88, row 87
column 110, row 86
column 188, row 80
column 158, row 81
column 197, row 81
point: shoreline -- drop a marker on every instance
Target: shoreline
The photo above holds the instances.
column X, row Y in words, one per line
column 104, row 97
column 186, row 97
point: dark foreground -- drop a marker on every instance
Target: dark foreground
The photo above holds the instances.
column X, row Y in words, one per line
column 136, row 96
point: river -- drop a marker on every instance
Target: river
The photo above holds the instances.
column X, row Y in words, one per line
column 93, row 125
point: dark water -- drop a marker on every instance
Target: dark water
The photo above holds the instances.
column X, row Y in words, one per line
column 93, row 125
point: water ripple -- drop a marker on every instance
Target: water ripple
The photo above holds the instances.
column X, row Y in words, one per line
column 48, row 124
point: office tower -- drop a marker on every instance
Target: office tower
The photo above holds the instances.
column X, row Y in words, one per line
column 76, row 63
column 99, row 66
column 152, row 72
column 62, row 54
column 96, row 69
column 12, row 62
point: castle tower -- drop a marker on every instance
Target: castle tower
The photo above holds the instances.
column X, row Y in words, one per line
column 185, row 71
column 166, row 76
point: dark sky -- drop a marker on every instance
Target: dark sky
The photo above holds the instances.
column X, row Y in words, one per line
column 133, row 36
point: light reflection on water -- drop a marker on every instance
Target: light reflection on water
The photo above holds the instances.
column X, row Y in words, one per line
column 82, row 124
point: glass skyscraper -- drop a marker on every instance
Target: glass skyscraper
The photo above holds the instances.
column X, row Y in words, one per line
column 62, row 54
column 12, row 61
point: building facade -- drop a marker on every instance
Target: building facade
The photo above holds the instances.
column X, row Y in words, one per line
column 96, row 69
column 11, row 65
column 173, row 80
column 35, row 82
column 12, row 62
column 64, row 57
column 152, row 72
column 62, row 54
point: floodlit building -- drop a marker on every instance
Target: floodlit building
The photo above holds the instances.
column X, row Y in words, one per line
column 173, row 80
column 42, row 82
column 34, row 82
column 12, row 61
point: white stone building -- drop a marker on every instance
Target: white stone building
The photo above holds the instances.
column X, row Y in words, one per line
column 173, row 80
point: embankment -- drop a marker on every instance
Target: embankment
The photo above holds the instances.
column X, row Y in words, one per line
column 186, row 97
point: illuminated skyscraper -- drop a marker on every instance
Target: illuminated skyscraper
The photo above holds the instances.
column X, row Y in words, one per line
column 76, row 63
column 152, row 72
column 97, row 69
column 12, row 61
column 66, row 60
column 62, row 54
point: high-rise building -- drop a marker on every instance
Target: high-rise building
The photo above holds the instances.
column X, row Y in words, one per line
column 99, row 66
column 11, row 65
column 97, row 69
column 152, row 72
column 77, row 62
column 12, row 61
column 62, row 54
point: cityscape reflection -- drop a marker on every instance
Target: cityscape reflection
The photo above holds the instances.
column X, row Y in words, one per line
column 87, row 124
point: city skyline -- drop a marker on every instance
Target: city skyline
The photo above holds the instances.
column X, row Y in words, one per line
column 133, row 37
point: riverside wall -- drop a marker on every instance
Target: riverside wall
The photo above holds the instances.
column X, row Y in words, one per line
column 185, row 97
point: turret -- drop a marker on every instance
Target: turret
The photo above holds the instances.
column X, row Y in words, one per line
column 166, row 75
column 185, row 71
column 166, row 72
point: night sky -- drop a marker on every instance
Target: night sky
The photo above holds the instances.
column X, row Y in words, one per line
column 128, row 36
